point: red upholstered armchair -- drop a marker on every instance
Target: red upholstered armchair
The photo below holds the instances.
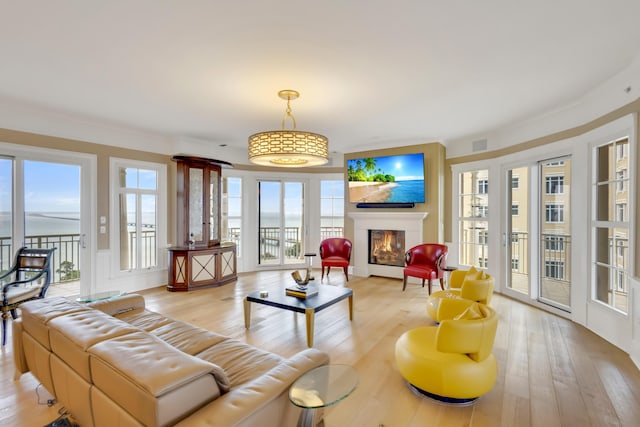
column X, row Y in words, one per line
column 425, row 261
column 335, row 252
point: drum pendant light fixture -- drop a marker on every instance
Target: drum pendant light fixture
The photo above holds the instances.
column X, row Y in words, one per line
column 288, row 148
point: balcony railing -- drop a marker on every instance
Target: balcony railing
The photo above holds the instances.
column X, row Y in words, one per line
column 65, row 265
column 556, row 251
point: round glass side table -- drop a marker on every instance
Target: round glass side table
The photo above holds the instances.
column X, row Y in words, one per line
column 99, row 296
column 322, row 387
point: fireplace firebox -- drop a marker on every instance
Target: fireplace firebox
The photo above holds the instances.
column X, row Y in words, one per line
column 386, row 247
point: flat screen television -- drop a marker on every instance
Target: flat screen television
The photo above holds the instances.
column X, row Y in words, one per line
column 386, row 181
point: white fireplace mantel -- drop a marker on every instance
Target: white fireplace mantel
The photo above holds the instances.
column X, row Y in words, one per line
column 410, row 222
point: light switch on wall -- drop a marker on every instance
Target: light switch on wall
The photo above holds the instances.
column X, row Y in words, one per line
column 103, row 229
column 103, row 219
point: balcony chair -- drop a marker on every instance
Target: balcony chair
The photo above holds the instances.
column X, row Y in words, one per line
column 453, row 361
column 335, row 252
column 465, row 288
column 425, row 261
column 28, row 279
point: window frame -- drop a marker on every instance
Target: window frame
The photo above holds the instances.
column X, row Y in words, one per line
column 335, row 201
column 549, row 208
column 554, row 184
column 161, row 213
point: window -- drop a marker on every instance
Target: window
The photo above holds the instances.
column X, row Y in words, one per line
column 622, row 149
column 515, row 264
column 232, row 211
column 515, row 182
column 483, row 186
column 621, row 178
column 483, row 262
column 482, row 211
column 620, row 282
column 554, row 213
column 555, row 163
column 621, row 212
column 611, row 225
column 553, row 243
column 515, row 209
column 515, row 237
column 621, row 248
column 554, row 269
column 331, row 208
column 554, row 184
column 281, row 221
column 139, row 209
column 473, row 210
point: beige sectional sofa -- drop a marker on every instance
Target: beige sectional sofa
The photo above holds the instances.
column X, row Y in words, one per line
column 114, row 364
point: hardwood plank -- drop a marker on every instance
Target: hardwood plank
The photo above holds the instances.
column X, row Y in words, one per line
column 551, row 371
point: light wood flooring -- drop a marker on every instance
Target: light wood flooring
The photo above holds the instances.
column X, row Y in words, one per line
column 552, row 372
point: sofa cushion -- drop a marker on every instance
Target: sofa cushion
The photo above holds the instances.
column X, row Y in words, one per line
column 158, row 383
column 119, row 304
column 145, row 320
column 188, row 338
column 72, row 334
column 37, row 314
column 240, row 361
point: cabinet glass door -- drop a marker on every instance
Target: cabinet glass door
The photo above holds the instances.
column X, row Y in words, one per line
column 196, row 208
column 214, row 198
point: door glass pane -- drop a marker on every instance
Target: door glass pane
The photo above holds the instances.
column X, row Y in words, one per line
column 611, row 236
column 473, row 213
column 331, row 209
column 214, row 232
column 128, row 221
column 518, row 232
column 196, row 209
column 6, row 208
column 52, row 214
column 293, row 222
column 270, row 222
column 555, row 233
column 149, row 228
column 232, row 211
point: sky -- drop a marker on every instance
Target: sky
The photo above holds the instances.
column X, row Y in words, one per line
column 48, row 187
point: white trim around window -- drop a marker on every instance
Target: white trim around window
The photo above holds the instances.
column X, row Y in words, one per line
column 161, row 207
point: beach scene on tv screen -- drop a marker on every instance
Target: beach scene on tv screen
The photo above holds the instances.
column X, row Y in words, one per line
column 389, row 179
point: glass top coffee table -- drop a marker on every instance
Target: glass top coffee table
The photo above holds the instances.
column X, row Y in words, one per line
column 322, row 387
column 327, row 296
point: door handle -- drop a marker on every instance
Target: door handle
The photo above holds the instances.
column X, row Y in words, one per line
column 83, row 241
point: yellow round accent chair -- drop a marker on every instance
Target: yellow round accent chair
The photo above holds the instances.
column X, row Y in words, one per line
column 453, row 361
column 465, row 287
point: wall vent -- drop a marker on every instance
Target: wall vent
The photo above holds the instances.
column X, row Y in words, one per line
column 479, row 145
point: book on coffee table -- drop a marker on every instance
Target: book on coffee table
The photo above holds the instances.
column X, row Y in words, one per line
column 301, row 291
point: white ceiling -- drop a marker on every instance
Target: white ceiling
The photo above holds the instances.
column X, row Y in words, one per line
column 371, row 73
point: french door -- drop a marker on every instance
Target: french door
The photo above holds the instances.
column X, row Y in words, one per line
column 555, row 232
column 518, row 235
column 281, row 222
column 611, row 233
column 538, row 245
column 45, row 202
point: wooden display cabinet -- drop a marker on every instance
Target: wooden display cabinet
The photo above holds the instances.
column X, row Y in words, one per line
column 199, row 260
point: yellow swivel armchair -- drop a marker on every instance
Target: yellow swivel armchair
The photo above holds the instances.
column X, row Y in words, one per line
column 465, row 287
column 451, row 362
